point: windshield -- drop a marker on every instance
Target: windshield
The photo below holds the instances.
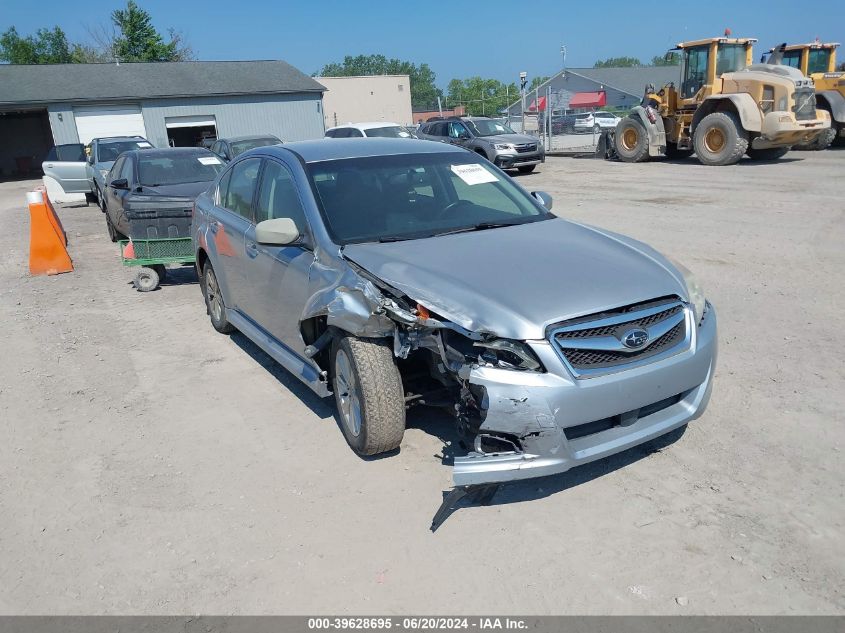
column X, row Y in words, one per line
column 390, row 131
column 154, row 171
column 108, row 152
column 488, row 127
column 389, row 198
column 239, row 147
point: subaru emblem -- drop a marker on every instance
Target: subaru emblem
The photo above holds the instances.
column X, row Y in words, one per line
column 635, row 339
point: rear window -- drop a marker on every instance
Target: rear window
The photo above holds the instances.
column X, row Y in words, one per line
column 74, row 152
column 390, row 131
column 173, row 170
column 240, row 147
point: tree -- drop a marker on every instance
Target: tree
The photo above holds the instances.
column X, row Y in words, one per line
column 424, row 92
column 535, row 83
column 618, row 62
column 45, row 47
column 481, row 96
column 137, row 40
column 670, row 59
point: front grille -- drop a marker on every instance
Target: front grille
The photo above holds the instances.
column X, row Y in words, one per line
column 805, row 104
column 594, row 345
column 597, row 426
column 526, row 148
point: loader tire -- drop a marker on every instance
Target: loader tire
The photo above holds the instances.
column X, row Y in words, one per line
column 772, row 153
column 631, row 141
column 720, row 139
column 822, row 141
column 369, row 394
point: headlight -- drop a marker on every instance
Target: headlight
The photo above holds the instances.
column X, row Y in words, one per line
column 502, row 146
column 696, row 292
column 507, row 354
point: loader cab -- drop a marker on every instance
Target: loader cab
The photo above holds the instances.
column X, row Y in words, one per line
column 703, row 62
column 811, row 58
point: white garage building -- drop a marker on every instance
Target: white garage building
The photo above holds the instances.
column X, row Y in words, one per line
column 173, row 103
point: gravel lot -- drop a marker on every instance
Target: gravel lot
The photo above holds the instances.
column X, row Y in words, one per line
column 151, row 465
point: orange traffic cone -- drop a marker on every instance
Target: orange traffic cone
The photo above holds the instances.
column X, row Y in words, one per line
column 129, row 250
column 47, row 245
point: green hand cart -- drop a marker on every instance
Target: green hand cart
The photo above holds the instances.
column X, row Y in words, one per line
column 152, row 256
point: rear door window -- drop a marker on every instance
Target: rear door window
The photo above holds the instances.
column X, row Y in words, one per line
column 71, row 153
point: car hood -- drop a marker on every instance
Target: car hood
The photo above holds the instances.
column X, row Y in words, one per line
column 183, row 190
column 517, row 139
column 516, row 281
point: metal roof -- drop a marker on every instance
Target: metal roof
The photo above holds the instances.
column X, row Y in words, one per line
column 57, row 83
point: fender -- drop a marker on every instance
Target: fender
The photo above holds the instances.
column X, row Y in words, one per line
column 743, row 103
column 836, row 101
column 656, row 132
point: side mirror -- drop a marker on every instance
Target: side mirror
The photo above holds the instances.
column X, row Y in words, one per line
column 120, row 183
column 544, row 199
column 90, row 159
column 276, row 232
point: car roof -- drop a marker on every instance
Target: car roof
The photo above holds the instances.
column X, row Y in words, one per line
column 340, row 148
column 118, row 138
column 249, row 137
column 367, row 125
column 154, row 152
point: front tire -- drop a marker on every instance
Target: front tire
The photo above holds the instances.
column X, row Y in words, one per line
column 214, row 303
column 772, row 153
column 369, row 395
column 822, row 141
column 114, row 234
column 631, row 141
column 720, row 139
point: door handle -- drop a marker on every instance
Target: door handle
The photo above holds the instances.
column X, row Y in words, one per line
column 252, row 249
column 50, row 165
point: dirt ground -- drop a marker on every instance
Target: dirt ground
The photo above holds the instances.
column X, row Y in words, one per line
column 149, row 465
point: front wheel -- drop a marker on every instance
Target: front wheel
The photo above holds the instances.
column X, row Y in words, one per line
column 631, row 141
column 772, row 153
column 214, row 304
column 114, row 234
column 369, row 395
column 720, row 139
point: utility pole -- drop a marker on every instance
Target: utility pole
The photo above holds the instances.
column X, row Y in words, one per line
column 523, row 79
column 563, row 56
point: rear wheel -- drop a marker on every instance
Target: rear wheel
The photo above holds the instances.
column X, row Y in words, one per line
column 146, row 279
column 720, row 139
column 369, row 395
column 772, row 153
column 214, row 300
column 526, row 169
column 631, row 141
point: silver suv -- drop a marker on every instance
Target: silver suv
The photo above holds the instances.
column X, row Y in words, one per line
column 394, row 273
column 493, row 139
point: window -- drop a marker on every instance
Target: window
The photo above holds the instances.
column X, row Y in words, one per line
column 390, row 131
column 126, row 171
column 108, row 152
column 215, row 147
column 730, row 58
column 331, row 133
column 458, row 130
column 222, row 189
column 115, row 170
column 176, row 168
column 695, row 70
column 819, row 61
column 242, row 146
column 767, row 103
column 792, row 58
column 242, row 186
column 353, row 133
column 488, row 195
column 277, row 196
column 74, row 153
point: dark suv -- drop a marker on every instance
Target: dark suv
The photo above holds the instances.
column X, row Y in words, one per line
column 493, row 139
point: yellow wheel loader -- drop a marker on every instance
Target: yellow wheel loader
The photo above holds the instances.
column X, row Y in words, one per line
column 725, row 107
column 818, row 61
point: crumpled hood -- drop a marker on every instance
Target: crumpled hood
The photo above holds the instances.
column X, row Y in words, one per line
column 517, row 139
column 516, row 281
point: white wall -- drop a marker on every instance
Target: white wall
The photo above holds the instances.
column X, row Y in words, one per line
column 363, row 99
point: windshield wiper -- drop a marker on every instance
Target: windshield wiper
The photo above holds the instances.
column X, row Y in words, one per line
column 396, row 238
column 481, row 226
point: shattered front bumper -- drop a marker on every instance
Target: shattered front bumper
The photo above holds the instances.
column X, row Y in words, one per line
column 541, row 409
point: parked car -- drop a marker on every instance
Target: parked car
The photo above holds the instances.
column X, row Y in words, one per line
column 381, row 129
column 229, row 148
column 65, row 167
column 102, row 152
column 596, row 122
column 393, row 273
column 151, row 192
column 563, row 123
column 494, row 140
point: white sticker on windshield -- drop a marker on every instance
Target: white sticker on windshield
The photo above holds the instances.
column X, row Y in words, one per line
column 473, row 174
column 143, row 145
column 209, row 160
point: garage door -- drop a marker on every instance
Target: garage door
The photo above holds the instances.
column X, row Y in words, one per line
column 102, row 121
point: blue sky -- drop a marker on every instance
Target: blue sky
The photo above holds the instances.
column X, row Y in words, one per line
column 490, row 38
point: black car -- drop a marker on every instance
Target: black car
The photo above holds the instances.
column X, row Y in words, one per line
column 151, row 192
column 228, row 148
